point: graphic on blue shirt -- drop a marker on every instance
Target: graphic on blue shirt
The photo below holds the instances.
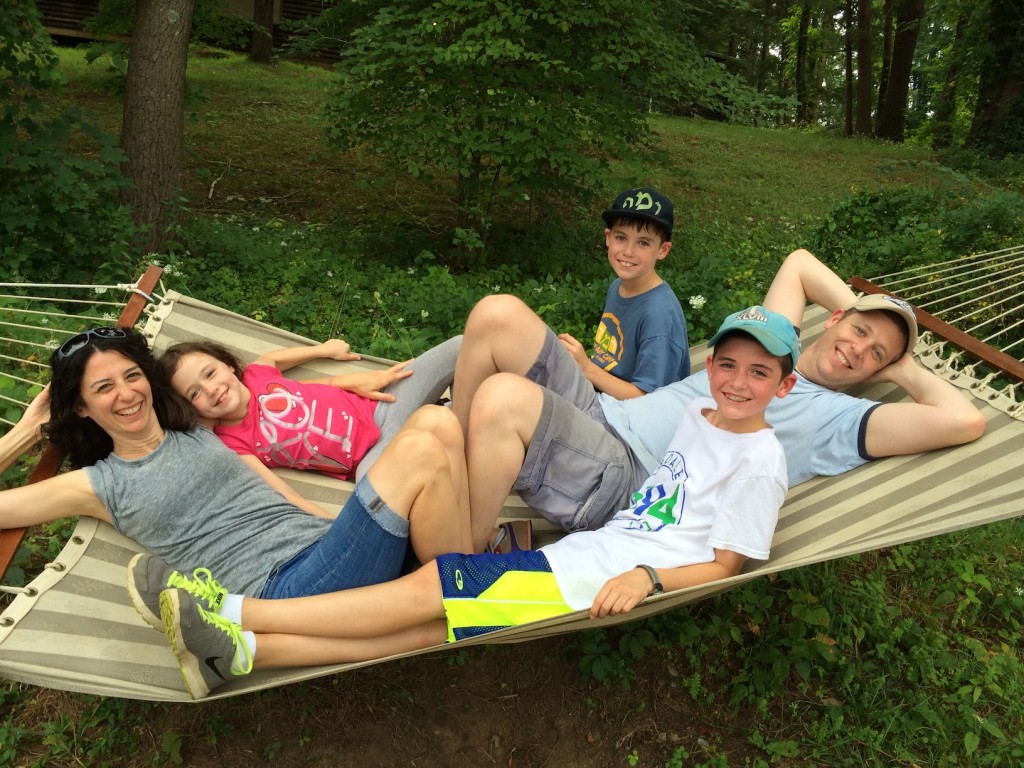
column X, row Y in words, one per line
column 608, row 342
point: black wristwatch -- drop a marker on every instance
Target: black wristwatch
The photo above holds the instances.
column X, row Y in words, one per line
column 658, row 588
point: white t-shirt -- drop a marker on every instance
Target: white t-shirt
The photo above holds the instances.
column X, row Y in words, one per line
column 713, row 490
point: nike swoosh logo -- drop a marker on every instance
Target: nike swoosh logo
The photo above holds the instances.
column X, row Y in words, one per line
column 210, row 662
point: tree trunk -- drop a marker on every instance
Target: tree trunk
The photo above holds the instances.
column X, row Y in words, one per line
column 802, row 90
column 152, row 128
column 883, row 76
column 862, row 123
column 262, row 38
column 848, row 34
column 946, row 107
column 893, row 112
column 1001, row 88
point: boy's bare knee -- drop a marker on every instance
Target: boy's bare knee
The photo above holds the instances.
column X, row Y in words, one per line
column 495, row 313
column 505, row 402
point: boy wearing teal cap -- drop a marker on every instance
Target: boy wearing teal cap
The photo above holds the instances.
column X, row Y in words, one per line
column 711, row 504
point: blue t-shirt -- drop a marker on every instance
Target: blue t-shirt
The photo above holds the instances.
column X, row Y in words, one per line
column 821, row 431
column 642, row 339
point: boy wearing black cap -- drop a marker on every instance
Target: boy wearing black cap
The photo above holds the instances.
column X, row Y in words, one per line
column 641, row 341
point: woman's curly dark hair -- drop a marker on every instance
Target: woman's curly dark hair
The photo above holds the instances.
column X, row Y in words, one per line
column 82, row 439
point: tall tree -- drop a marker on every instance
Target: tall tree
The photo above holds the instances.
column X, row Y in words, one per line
column 803, row 47
column 848, row 23
column 883, row 75
column 152, row 129
column 862, row 122
column 999, row 113
column 893, row 111
column 945, row 108
column 263, row 34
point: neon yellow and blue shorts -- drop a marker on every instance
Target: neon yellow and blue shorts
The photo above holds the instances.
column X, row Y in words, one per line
column 488, row 592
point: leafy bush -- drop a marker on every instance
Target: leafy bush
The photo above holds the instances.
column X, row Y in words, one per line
column 872, row 233
column 60, row 214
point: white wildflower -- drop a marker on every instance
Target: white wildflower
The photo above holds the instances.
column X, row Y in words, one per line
column 424, row 314
column 330, row 273
column 399, row 319
column 100, row 290
column 697, row 301
column 496, row 288
column 411, row 270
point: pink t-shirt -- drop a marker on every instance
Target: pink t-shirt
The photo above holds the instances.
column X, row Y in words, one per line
column 302, row 426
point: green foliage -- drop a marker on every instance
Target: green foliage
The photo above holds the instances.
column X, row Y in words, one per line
column 876, row 232
column 60, row 214
column 520, row 108
column 908, row 655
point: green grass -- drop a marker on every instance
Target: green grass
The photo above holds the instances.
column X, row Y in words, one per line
column 902, row 657
column 257, row 133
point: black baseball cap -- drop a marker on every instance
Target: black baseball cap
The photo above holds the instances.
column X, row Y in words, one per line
column 643, row 203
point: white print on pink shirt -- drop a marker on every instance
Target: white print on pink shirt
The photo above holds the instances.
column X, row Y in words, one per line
column 286, row 422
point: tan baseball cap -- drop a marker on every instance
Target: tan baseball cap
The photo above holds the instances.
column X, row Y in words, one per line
column 880, row 301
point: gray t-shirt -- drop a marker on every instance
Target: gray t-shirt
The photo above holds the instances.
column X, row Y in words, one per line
column 194, row 503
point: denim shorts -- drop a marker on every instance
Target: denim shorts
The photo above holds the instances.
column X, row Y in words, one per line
column 365, row 544
column 577, row 472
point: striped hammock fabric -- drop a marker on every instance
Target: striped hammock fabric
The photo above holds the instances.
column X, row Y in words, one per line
column 74, row 628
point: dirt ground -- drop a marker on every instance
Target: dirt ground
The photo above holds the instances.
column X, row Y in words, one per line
column 512, row 706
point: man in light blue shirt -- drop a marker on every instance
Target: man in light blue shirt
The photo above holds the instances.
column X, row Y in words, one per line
column 534, row 424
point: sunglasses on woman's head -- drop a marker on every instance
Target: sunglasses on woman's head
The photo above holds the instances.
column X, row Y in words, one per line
column 79, row 340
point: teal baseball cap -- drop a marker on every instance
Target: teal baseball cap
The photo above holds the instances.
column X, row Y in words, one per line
column 773, row 331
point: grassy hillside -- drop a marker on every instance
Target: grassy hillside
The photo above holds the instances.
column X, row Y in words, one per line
column 904, row 657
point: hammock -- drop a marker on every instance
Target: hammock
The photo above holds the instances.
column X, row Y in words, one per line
column 73, row 627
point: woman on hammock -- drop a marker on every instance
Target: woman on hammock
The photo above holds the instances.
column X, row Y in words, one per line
column 146, row 467
column 338, row 425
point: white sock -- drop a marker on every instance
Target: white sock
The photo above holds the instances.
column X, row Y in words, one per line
column 231, row 608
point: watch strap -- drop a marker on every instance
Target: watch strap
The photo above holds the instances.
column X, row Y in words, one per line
column 657, row 588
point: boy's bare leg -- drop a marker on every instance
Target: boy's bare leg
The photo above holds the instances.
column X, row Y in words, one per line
column 375, row 611
column 277, row 650
column 416, row 477
column 502, row 422
column 502, row 334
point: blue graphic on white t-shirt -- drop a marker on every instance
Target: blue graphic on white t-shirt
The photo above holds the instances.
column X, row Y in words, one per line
column 655, row 506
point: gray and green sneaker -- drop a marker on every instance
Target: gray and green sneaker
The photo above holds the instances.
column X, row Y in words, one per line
column 203, row 642
column 148, row 576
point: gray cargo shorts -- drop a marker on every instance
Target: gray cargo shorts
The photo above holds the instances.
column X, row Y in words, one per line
column 577, row 472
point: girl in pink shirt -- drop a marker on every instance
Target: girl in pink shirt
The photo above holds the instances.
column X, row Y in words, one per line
column 337, row 425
